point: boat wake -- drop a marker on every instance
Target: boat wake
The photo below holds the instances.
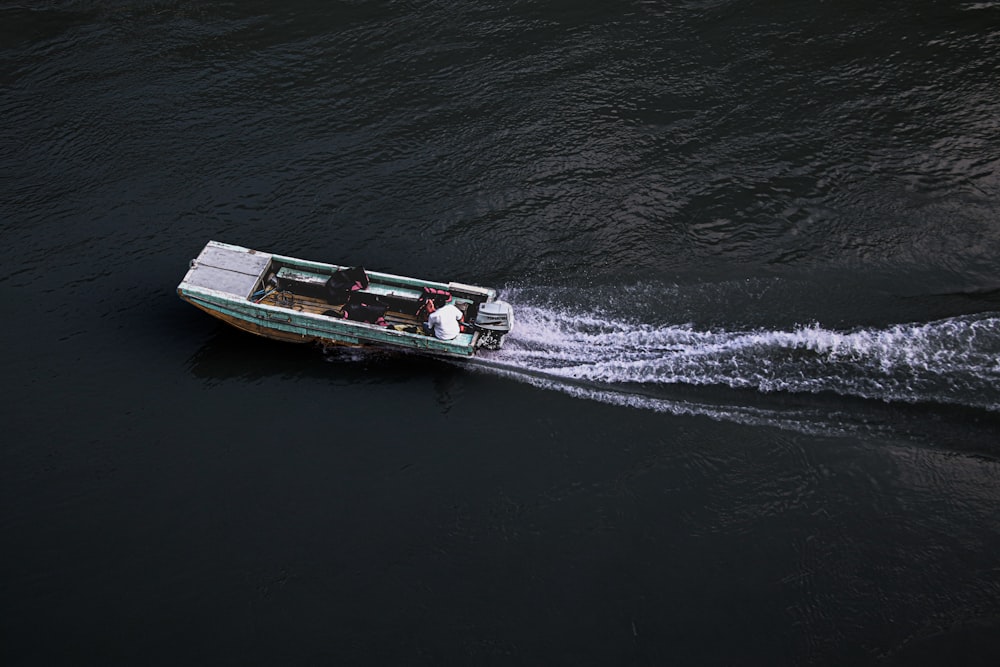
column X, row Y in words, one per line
column 955, row 361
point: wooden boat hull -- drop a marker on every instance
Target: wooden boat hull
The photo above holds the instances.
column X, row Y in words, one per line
column 287, row 299
column 255, row 327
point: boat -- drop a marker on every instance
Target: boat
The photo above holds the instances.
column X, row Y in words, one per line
column 302, row 301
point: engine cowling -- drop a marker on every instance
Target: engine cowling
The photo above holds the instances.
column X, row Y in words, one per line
column 494, row 320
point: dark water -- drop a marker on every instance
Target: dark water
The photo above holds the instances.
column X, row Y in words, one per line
column 750, row 414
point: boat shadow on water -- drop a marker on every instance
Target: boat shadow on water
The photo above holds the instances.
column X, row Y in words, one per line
column 235, row 355
column 231, row 356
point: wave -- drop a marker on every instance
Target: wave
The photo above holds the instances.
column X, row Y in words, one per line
column 955, row 361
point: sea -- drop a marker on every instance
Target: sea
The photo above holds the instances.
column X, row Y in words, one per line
column 749, row 413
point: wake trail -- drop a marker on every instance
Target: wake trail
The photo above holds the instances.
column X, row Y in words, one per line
column 953, row 361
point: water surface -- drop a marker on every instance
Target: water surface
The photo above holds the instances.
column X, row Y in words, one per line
column 749, row 414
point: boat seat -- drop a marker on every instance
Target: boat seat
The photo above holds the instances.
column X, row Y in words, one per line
column 301, row 282
column 334, row 289
column 401, row 292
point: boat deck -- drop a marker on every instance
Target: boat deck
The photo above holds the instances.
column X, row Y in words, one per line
column 228, row 269
column 306, row 304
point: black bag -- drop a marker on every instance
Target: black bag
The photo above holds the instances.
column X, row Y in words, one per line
column 344, row 282
column 357, row 308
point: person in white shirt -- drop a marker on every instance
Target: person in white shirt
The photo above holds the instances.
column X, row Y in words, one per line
column 444, row 322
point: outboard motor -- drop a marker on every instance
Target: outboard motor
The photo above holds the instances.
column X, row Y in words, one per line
column 493, row 321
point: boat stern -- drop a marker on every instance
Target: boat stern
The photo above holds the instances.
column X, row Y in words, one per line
column 494, row 320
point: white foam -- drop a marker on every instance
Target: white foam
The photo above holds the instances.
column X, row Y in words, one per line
column 956, row 360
